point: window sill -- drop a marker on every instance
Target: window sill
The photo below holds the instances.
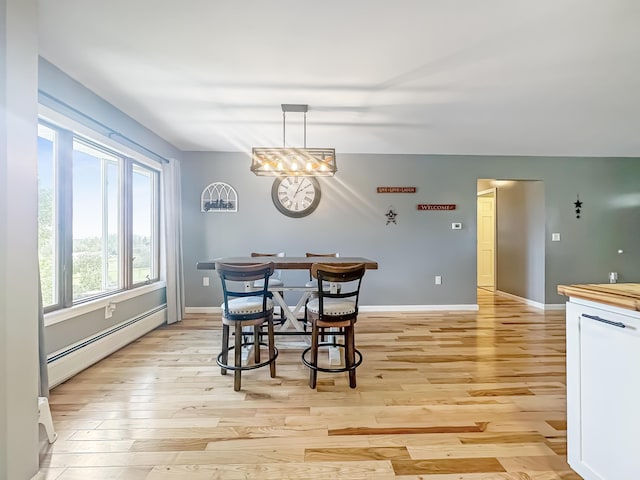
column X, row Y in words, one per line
column 63, row 314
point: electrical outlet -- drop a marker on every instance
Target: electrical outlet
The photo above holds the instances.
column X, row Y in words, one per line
column 555, row 237
column 205, row 281
column 456, row 226
column 109, row 309
column 438, row 280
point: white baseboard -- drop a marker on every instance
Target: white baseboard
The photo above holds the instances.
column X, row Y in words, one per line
column 106, row 342
column 555, row 306
column 202, row 310
column 418, row 308
column 531, row 303
column 526, row 301
column 371, row 308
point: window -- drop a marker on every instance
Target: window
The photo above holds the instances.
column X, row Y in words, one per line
column 97, row 222
column 144, row 224
column 99, row 235
column 47, row 215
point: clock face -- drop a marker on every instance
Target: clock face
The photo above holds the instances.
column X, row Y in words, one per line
column 296, row 196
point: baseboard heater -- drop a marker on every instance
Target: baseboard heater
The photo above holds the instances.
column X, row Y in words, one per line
column 71, row 360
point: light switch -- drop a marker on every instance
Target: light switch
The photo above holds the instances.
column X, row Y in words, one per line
column 456, row 226
column 555, row 237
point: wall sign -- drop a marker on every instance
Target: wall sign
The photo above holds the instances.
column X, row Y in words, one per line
column 436, row 206
column 219, row 197
column 396, row 189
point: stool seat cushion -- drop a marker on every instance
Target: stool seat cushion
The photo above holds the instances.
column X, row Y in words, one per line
column 333, row 306
column 273, row 282
column 246, row 305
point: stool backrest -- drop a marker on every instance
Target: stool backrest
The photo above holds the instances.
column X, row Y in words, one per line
column 276, row 273
column 308, row 255
column 230, row 273
column 348, row 275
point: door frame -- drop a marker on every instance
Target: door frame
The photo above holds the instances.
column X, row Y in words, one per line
column 494, row 191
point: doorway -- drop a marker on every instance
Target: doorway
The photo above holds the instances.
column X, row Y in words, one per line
column 511, row 225
column 486, row 236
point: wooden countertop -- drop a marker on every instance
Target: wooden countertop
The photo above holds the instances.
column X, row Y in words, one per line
column 622, row 295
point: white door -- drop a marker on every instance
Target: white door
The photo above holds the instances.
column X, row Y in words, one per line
column 486, row 239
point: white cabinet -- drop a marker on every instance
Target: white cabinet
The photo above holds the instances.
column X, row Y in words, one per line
column 603, row 391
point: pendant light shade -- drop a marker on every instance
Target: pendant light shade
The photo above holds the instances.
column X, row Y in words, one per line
column 292, row 161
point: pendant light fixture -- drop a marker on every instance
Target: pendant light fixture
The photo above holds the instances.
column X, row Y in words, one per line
column 290, row 161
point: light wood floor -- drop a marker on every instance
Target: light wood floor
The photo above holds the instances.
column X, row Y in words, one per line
column 440, row 396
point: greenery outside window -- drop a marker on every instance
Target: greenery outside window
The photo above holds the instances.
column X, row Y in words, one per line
column 47, row 215
column 144, row 196
column 97, row 222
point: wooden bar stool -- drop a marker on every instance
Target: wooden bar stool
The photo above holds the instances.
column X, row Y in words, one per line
column 275, row 280
column 333, row 309
column 246, row 309
column 312, row 283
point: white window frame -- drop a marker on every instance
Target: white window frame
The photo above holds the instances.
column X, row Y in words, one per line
column 61, row 312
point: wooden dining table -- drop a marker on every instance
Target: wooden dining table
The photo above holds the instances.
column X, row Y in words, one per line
column 291, row 323
column 288, row 263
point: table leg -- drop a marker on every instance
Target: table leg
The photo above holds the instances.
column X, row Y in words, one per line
column 291, row 323
column 297, row 310
column 290, row 320
column 335, row 353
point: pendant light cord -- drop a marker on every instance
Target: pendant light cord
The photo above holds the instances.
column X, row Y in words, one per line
column 284, row 129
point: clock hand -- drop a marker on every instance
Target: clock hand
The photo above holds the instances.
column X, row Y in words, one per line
column 297, row 189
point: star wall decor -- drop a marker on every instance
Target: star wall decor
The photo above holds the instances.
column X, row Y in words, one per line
column 391, row 216
column 578, row 205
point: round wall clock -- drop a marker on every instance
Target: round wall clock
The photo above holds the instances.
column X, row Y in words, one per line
column 296, row 196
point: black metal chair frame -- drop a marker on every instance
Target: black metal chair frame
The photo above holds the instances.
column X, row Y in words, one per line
column 343, row 274
column 282, row 318
column 304, row 320
column 244, row 273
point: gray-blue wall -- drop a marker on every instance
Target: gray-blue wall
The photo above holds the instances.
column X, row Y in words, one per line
column 350, row 220
column 62, row 334
column 86, row 105
column 520, row 239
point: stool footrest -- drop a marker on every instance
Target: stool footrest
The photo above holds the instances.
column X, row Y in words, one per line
column 247, row 367
column 331, row 370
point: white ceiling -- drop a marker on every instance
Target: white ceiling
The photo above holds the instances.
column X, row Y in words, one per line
column 495, row 77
